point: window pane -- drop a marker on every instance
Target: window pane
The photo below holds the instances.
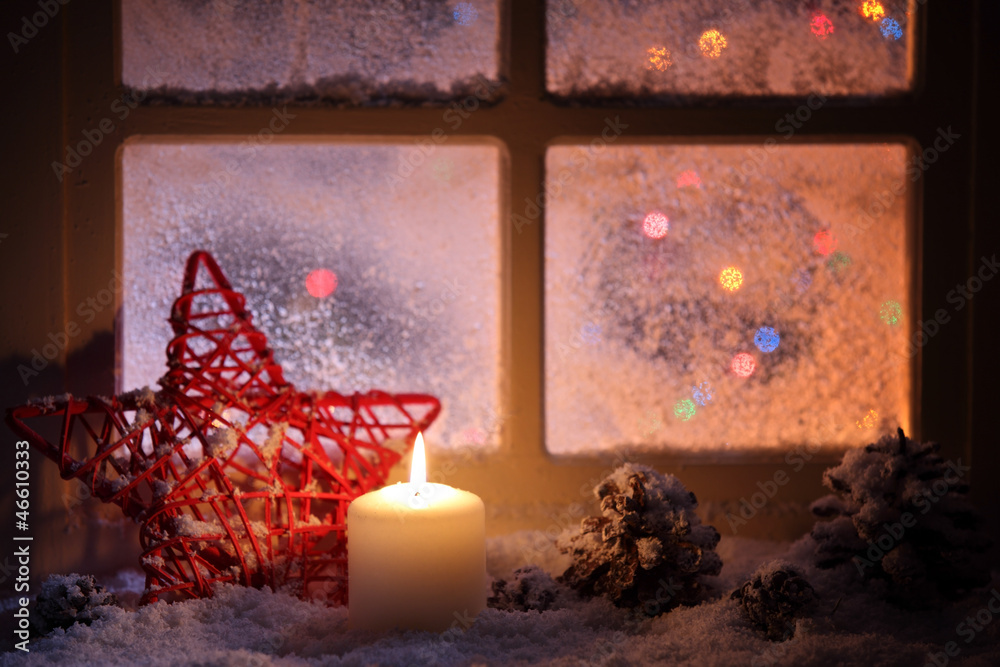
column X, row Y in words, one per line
column 331, row 50
column 415, row 252
column 697, row 48
column 726, row 297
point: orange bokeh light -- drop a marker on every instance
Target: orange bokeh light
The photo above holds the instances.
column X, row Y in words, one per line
column 869, row 421
column 743, row 364
column 659, row 58
column 873, row 10
column 711, row 43
column 731, row 279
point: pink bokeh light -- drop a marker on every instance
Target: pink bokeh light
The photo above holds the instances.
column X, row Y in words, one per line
column 655, row 225
column 821, row 26
column 825, row 242
column 688, row 179
column 321, row 283
column 743, row 364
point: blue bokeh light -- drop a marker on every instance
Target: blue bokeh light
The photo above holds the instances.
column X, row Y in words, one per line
column 890, row 28
column 591, row 333
column 702, row 394
column 766, row 339
column 465, row 13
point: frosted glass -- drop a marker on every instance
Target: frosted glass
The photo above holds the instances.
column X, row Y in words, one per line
column 644, row 324
column 667, row 50
column 334, row 50
column 415, row 252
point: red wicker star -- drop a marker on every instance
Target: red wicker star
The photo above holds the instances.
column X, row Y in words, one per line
column 233, row 474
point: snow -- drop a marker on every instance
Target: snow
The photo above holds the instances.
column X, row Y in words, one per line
column 635, row 326
column 629, row 49
column 245, row 626
column 336, row 50
column 416, row 251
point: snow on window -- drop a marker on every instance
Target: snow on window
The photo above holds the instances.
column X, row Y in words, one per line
column 363, row 274
column 772, row 311
column 331, row 50
column 743, row 48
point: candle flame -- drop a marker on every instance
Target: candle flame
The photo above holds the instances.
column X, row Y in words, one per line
column 418, row 468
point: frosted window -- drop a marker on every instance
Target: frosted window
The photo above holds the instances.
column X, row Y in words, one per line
column 693, row 48
column 332, row 50
column 646, row 327
column 415, row 251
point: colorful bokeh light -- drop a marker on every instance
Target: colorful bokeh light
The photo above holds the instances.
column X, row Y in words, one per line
column 702, row 394
column 869, row 421
column 712, row 43
column 838, row 261
column 821, row 26
column 684, row 409
column 766, row 339
column 743, row 364
column 731, row 279
column 890, row 29
column 465, row 14
column 655, row 225
column 890, row 313
column 659, row 58
column 688, row 179
column 591, row 333
column 825, row 242
column 321, row 283
column 873, row 10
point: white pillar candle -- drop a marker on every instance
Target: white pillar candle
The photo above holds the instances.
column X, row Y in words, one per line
column 416, row 555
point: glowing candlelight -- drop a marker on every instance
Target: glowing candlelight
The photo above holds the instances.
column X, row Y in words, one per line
column 416, row 554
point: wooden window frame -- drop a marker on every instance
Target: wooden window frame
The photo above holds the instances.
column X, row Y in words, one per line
column 522, row 485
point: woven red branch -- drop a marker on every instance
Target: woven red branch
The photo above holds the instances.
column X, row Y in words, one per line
column 233, row 475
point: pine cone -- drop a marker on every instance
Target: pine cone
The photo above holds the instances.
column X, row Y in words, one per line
column 775, row 594
column 648, row 548
column 902, row 514
column 68, row 599
column 531, row 588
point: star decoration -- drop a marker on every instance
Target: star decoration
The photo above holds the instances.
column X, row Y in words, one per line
column 233, row 474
